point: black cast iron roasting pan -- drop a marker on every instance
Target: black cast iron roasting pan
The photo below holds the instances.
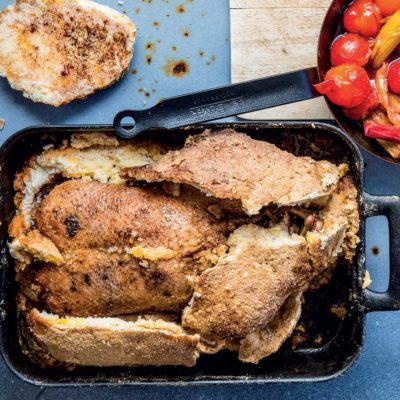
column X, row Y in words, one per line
column 342, row 338
column 173, row 120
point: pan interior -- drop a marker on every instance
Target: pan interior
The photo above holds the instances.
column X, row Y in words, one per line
column 331, row 343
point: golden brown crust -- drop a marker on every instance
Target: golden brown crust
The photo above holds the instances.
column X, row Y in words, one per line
column 231, row 165
column 258, row 345
column 56, row 51
column 243, row 292
column 35, row 246
column 339, row 235
column 78, row 214
column 112, row 342
column 95, row 283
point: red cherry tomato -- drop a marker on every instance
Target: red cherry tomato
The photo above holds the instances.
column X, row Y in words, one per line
column 394, row 77
column 388, row 7
column 346, row 85
column 363, row 17
column 350, row 48
column 365, row 108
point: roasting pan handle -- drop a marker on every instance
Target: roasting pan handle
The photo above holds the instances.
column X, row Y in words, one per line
column 219, row 103
column 388, row 206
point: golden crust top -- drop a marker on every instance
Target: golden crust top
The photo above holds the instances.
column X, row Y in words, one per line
column 231, row 165
column 112, row 341
column 247, row 287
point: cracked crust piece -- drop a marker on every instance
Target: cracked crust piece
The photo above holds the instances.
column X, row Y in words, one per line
column 95, row 283
column 92, row 215
column 106, row 342
column 56, row 51
column 258, row 345
column 231, row 165
column 35, row 247
column 339, row 235
column 248, row 286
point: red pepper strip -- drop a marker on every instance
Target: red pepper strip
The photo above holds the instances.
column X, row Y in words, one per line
column 384, row 132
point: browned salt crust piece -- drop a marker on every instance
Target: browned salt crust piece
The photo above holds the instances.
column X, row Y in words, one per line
column 231, row 165
column 258, row 345
column 339, row 235
column 106, row 342
column 56, row 51
column 248, row 286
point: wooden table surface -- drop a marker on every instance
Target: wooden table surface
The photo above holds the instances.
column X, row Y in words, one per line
column 276, row 36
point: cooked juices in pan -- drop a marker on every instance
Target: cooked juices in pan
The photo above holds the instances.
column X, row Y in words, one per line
column 131, row 253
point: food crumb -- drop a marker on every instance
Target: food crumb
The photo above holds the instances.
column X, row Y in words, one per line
column 2, row 123
column 318, row 339
column 339, row 311
column 298, row 339
column 367, row 280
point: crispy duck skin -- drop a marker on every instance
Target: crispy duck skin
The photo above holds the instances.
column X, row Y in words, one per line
column 125, row 250
column 95, row 283
column 78, row 214
column 231, row 165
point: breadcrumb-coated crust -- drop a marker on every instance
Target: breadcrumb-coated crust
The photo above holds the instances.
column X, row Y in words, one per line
column 56, row 51
column 247, row 287
column 35, row 246
column 260, row 344
column 339, row 235
column 112, row 342
column 231, row 165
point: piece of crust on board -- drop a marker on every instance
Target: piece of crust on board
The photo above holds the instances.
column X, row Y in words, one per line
column 56, row 51
column 106, row 342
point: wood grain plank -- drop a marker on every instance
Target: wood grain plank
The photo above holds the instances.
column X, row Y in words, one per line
column 276, row 36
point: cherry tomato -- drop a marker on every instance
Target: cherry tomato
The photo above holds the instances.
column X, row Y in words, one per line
column 346, row 85
column 388, row 7
column 363, row 17
column 350, row 48
column 393, row 77
column 363, row 110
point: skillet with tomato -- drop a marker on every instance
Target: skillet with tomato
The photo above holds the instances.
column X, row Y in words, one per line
column 364, row 78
